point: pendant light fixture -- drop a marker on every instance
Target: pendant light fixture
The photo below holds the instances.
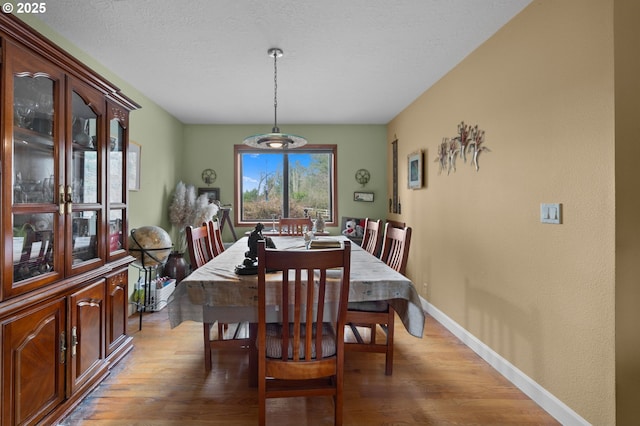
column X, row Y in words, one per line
column 275, row 139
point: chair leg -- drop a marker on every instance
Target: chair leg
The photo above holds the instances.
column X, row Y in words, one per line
column 338, row 403
column 207, row 346
column 253, row 355
column 389, row 355
column 260, row 379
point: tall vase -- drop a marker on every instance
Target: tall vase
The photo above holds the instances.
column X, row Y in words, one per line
column 176, row 266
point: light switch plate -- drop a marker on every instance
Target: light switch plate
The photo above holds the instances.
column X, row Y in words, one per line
column 551, row 213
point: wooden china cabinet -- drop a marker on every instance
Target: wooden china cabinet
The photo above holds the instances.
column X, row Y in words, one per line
column 64, row 258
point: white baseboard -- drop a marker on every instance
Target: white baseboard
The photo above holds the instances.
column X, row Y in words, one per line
column 556, row 408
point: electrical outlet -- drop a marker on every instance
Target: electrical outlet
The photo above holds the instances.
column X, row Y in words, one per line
column 551, row 213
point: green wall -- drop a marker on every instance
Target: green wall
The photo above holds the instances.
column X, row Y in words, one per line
column 359, row 146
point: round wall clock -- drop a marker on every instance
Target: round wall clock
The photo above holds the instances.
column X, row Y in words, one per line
column 208, row 176
column 363, row 176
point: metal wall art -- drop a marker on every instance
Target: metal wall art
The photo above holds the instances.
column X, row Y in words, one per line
column 363, row 176
column 469, row 140
column 394, row 203
column 209, row 176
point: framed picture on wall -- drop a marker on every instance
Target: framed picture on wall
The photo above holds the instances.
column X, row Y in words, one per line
column 415, row 170
column 212, row 193
column 363, row 196
column 133, row 166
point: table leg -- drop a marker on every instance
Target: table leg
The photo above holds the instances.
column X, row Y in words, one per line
column 253, row 355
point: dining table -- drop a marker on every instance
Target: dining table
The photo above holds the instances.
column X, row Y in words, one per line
column 215, row 292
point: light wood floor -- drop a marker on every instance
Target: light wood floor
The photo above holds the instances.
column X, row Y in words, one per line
column 436, row 381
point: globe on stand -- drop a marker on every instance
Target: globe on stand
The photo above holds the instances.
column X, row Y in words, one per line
column 150, row 245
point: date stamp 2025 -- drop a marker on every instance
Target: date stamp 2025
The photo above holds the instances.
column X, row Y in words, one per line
column 24, row 7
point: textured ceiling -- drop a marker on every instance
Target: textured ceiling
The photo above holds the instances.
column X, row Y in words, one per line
column 345, row 62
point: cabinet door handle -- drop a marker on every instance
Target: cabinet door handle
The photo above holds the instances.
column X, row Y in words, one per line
column 63, row 347
column 61, row 200
column 69, row 199
column 74, row 341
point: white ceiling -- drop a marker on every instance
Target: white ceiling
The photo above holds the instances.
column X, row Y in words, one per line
column 345, row 61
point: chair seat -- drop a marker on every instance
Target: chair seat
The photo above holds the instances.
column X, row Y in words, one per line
column 274, row 341
column 370, row 306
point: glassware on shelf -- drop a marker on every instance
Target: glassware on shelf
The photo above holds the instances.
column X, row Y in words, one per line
column 24, row 111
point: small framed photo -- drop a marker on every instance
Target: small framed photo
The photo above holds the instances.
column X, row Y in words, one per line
column 363, row 196
column 212, row 193
column 415, row 170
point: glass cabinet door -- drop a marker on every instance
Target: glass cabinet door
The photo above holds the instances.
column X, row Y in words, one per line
column 32, row 176
column 116, row 180
column 83, row 190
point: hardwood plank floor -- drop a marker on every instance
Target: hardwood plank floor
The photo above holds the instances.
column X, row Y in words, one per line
column 436, row 380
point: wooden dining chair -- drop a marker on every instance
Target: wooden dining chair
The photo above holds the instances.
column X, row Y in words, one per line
column 215, row 236
column 200, row 252
column 303, row 355
column 371, row 315
column 372, row 236
column 199, row 245
column 294, row 226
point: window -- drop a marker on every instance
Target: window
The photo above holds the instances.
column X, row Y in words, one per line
column 278, row 183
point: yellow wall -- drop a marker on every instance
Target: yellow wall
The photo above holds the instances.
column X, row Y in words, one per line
column 540, row 295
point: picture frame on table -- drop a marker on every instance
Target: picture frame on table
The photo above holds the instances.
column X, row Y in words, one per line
column 213, row 194
column 363, row 196
column 415, row 170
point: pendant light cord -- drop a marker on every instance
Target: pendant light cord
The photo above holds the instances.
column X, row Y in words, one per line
column 275, row 93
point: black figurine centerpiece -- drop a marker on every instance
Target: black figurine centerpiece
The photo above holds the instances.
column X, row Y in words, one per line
column 250, row 264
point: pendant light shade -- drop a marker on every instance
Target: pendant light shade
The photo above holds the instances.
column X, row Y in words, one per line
column 275, row 139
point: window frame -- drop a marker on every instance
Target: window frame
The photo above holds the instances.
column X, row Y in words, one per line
column 240, row 149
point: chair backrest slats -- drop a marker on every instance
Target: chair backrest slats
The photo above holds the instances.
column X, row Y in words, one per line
column 294, row 226
column 372, row 236
column 303, row 290
column 199, row 245
column 215, row 236
column 395, row 247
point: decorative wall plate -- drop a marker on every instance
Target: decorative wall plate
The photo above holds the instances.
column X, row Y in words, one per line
column 363, row 176
column 209, row 176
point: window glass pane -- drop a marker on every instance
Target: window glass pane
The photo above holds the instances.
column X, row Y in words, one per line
column 285, row 184
column 309, row 185
column 33, row 157
column 85, row 243
column 115, row 162
column 261, row 186
column 115, row 230
column 32, row 245
column 85, row 154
